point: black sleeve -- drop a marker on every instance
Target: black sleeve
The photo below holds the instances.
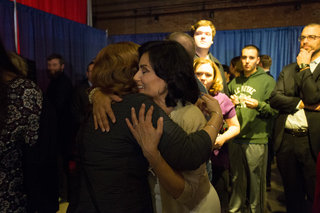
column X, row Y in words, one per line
column 309, row 86
column 281, row 100
column 180, row 150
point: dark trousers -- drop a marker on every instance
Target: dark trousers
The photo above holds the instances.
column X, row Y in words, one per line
column 298, row 172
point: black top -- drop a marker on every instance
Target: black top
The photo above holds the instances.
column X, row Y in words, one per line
column 116, row 167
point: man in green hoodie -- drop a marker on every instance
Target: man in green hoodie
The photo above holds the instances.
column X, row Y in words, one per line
column 248, row 152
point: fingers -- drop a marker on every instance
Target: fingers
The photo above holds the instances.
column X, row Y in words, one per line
column 102, row 120
column 133, row 131
column 149, row 115
column 115, row 98
column 134, row 116
column 95, row 122
column 109, row 112
column 142, row 113
column 206, row 97
column 159, row 129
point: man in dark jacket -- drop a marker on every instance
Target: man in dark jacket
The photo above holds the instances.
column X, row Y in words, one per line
column 59, row 93
column 297, row 135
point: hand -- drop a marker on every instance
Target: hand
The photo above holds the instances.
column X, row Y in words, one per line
column 212, row 103
column 101, row 107
column 202, row 106
column 234, row 99
column 251, row 103
column 315, row 107
column 219, row 142
column 304, row 56
column 146, row 135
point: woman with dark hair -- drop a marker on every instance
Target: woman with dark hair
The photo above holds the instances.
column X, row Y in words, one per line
column 111, row 171
column 20, row 108
column 166, row 74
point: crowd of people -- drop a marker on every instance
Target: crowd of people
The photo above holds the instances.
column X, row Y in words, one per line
column 162, row 127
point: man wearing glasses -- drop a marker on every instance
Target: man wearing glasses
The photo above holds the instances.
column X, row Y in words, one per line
column 297, row 131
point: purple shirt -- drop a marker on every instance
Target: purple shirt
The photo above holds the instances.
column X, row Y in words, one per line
column 221, row 157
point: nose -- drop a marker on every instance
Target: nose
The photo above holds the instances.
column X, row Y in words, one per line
column 203, row 77
column 247, row 60
column 137, row 76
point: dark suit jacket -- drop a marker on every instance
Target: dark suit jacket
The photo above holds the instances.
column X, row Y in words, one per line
column 286, row 96
column 80, row 102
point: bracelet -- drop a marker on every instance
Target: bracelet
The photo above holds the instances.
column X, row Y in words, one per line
column 213, row 127
column 218, row 114
column 92, row 92
column 151, row 167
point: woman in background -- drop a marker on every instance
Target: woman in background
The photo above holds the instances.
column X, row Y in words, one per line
column 208, row 73
column 20, row 108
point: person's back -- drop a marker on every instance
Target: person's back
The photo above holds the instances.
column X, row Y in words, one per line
column 114, row 164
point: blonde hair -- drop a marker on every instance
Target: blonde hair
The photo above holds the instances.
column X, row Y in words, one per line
column 203, row 23
column 217, row 79
column 19, row 63
column 115, row 67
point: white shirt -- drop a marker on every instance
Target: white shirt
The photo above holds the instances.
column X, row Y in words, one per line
column 298, row 120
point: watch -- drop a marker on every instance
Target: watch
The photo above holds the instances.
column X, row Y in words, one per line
column 303, row 65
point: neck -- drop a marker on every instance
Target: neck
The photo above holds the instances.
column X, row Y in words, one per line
column 248, row 73
column 162, row 103
column 202, row 52
column 315, row 55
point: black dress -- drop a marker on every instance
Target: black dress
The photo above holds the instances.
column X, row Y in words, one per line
column 115, row 166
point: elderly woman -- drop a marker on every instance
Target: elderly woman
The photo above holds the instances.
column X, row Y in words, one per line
column 111, row 168
column 208, row 73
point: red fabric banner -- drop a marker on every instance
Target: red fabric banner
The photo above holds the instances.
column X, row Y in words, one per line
column 75, row 10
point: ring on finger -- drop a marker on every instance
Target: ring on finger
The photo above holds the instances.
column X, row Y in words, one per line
column 134, row 125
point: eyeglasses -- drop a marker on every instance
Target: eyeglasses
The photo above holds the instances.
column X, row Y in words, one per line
column 309, row 38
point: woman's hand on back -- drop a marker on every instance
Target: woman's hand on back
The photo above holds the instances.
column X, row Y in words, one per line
column 143, row 131
column 101, row 109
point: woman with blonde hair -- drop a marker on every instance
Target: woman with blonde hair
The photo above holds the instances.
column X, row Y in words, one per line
column 208, row 73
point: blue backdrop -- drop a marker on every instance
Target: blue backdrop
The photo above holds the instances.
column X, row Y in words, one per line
column 42, row 34
column 281, row 44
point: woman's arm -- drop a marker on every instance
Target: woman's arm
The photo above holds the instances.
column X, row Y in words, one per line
column 233, row 131
column 149, row 139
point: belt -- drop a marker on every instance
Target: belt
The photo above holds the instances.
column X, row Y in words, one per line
column 297, row 132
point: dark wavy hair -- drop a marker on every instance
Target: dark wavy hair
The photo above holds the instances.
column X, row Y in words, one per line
column 6, row 69
column 172, row 63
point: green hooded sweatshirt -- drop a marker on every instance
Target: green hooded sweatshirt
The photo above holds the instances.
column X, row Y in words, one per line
column 255, row 124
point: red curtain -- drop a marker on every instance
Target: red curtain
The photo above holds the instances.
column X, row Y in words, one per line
column 75, row 10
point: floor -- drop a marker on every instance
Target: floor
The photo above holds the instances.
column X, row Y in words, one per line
column 275, row 198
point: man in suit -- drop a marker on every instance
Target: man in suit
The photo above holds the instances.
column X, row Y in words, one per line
column 80, row 99
column 297, row 135
column 59, row 93
column 265, row 63
column 203, row 33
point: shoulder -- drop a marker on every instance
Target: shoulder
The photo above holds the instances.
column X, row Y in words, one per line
column 290, row 68
column 215, row 60
column 24, row 84
column 189, row 117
